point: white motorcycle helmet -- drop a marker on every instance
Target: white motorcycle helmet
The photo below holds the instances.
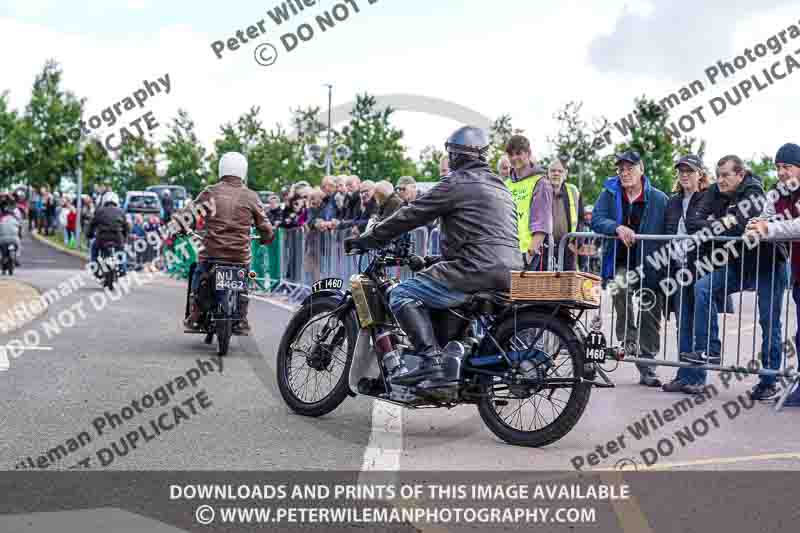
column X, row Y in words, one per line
column 233, row 164
column 111, row 197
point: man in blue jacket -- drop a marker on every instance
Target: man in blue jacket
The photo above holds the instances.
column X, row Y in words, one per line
column 629, row 206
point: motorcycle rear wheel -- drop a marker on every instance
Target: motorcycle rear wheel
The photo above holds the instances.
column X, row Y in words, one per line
column 297, row 360
column 223, row 336
column 561, row 343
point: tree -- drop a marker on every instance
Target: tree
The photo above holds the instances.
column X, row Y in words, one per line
column 186, row 156
column 11, row 149
column 764, row 168
column 242, row 137
column 53, row 116
column 428, row 165
column 375, row 144
column 499, row 135
column 574, row 144
column 135, row 167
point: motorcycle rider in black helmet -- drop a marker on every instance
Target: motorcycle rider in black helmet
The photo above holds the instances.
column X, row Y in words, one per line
column 479, row 225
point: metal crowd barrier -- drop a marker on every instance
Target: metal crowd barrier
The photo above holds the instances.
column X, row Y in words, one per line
column 635, row 289
column 307, row 256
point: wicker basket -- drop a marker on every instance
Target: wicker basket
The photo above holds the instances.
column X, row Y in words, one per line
column 578, row 288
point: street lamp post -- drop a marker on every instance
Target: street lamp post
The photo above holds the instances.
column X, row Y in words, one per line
column 314, row 153
column 79, row 199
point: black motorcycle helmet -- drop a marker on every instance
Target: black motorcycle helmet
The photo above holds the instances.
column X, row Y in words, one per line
column 467, row 144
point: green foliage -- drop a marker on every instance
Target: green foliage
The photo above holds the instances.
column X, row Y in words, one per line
column 650, row 136
column 186, row 156
column 765, row 169
column 136, row 166
column 428, row 165
column 11, row 149
column 50, row 116
column 376, row 150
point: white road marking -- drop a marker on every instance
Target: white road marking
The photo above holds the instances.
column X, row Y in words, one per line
column 272, row 302
column 9, row 347
column 386, row 439
column 385, row 446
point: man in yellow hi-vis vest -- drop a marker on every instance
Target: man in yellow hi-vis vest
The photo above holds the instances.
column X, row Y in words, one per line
column 567, row 211
column 533, row 197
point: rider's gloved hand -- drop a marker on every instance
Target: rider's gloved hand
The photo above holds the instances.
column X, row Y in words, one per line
column 362, row 244
column 432, row 260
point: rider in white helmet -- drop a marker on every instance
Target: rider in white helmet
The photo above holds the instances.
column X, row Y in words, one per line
column 236, row 210
column 108, row 227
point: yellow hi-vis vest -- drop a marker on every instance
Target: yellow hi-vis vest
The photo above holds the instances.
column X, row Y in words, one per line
column 572, row 195
column 522, row 191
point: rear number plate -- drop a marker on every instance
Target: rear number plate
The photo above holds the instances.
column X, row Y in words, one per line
column 231, row 278
column 596, row 348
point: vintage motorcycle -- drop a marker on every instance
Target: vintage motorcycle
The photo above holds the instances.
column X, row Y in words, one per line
column 528, row 371
column 110, row 266
column 218, row 298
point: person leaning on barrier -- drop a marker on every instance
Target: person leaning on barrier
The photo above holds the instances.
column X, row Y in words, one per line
column 227, row 237
column 781, row 220
column 478, row 218
column 567, row 211
column 533, row 196
column 329, row 211
column 690, row 187
column 729, row 204
column 295, row 214
column 388, row 200
column 369, row 206
column 629, row 206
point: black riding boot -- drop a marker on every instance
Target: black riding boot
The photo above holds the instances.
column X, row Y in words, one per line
column 242, row 327
column 415, row 321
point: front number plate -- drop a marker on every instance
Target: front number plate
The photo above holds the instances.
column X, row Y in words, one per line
column 327, row 284
column 596, row 347
column 231, row 278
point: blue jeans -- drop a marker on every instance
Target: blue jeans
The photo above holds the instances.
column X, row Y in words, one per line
column 691, row 376
column 796, row 298
column 202, row 268
column 432, row 294
column 770, row 301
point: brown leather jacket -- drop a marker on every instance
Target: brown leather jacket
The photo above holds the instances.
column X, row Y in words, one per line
column 236, row 208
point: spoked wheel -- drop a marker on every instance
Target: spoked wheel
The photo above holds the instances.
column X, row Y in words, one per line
column 539, row 415
column 314, row 358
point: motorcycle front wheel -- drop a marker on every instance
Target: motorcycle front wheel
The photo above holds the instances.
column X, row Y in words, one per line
column 314, row 358
column 537, row 415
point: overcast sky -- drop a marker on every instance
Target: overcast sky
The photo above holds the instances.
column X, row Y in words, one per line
column 522, row 57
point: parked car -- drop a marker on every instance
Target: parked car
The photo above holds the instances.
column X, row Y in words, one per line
column 177, row 193
column 144, row 202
